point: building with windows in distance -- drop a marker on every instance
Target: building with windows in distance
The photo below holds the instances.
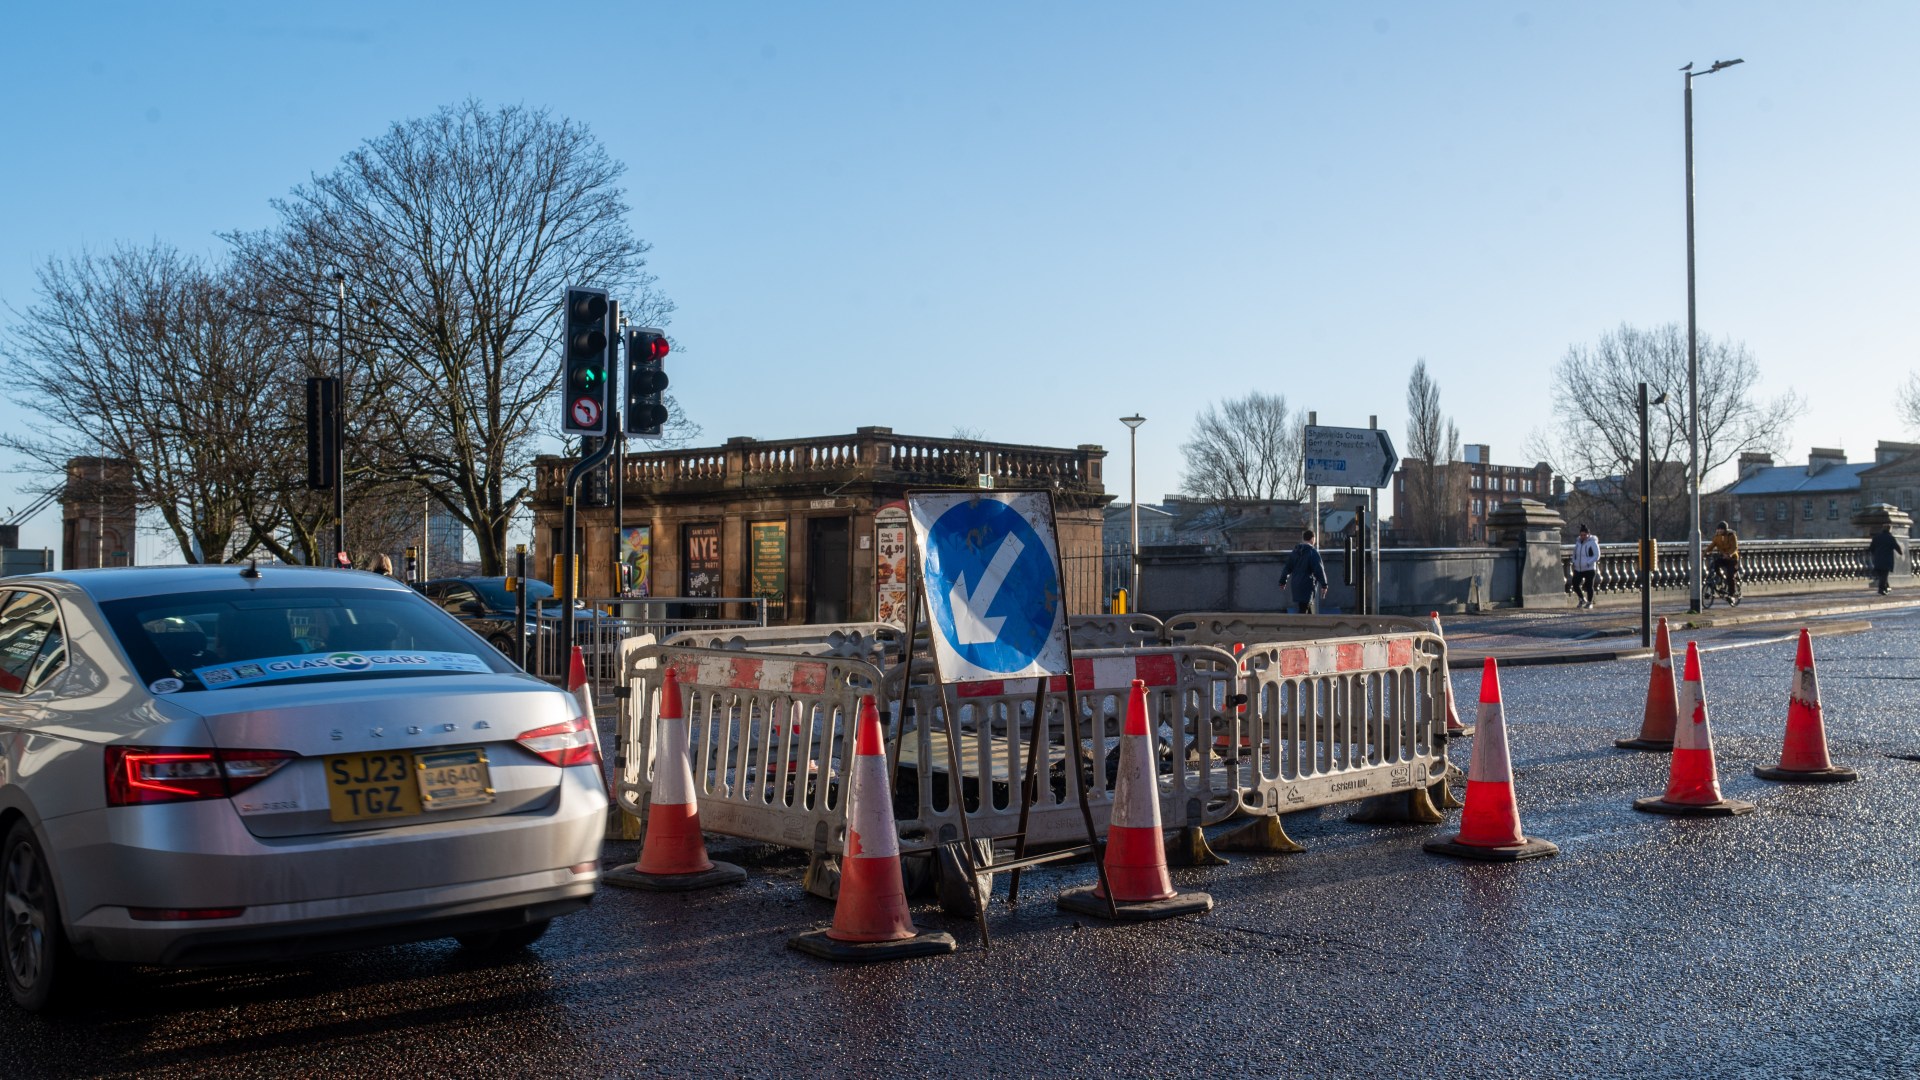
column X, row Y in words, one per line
column 1815, row 500
column 1474, row 488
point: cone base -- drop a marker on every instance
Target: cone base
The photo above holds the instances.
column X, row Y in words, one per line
column 1082, row 901
column 1529, row 847
column 1463, row 732
column 1657, row 804
column 817, row 943
column 630, row 877
column 1833, row 774
column 1660, row 746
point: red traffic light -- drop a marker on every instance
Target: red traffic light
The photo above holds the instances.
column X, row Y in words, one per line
column 657, row 347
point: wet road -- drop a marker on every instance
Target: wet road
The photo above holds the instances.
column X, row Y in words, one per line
column 1782, row 943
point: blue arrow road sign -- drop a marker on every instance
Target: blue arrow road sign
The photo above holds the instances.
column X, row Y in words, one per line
column 992, row 585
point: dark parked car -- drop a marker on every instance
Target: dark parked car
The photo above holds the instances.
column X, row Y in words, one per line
column 485, row 605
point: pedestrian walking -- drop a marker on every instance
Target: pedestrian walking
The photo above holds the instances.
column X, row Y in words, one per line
column 1880, row 552
column 1304, row 571
column 1586, row 565
column 381, row 564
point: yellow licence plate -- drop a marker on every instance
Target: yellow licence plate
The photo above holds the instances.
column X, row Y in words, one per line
column 399, row 783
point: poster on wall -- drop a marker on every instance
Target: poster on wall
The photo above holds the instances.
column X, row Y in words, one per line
column 700, row 557
column 636, row 560
column 890, row 565
column 767, row 540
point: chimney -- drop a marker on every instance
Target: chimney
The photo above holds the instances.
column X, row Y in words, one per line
column 1820, row 457
column 1753, row 463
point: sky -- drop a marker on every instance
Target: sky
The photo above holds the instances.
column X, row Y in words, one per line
column 1029, row 220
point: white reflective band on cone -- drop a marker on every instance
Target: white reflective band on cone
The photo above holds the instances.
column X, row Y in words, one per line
column 1806, row 688
column 673, row 773
column 1490, row 763
column 1134, row 804
column 1691, row 732
column 869, row 815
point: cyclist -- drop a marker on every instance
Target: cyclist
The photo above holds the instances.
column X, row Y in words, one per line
column 1726, row 558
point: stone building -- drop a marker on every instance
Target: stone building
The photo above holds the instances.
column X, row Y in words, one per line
column 1475, row 486
column 817, row 527
column 97, row 513
column 1816, row 500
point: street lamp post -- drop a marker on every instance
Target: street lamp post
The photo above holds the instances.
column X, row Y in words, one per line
column 1133, row 509
column 1693, row 352
column 340, row 424
column 1647, row 555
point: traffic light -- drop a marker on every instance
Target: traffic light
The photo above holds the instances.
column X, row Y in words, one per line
column 647, row 350
column 587, row 349
column 598, row 478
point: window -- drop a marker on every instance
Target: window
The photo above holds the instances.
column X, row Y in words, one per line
column 1806, row 509
column 1478, row 482
column 1833, row 509
column 1780, row 511
column 1856, row 503
column 1736, row 513
column 32, row 647
column 1479, row 506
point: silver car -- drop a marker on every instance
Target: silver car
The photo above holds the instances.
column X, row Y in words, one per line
column 215, row 764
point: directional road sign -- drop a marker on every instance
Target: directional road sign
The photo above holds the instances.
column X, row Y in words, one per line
column 1349, row 457
column 989, row 566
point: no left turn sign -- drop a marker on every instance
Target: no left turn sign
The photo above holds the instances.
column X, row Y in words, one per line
column 586, row 412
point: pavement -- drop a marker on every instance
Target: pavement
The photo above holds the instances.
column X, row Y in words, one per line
column 1521, row 636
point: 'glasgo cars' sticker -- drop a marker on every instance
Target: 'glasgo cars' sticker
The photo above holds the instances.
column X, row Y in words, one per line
column 306, row 665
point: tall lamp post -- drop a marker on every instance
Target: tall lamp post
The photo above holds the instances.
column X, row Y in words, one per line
column 1647, row 555
column 1693, row 353
column 1133, row 509
column 340, row 425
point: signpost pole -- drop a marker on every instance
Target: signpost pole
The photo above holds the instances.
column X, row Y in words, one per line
column 1313, row 490
column 1373, row 504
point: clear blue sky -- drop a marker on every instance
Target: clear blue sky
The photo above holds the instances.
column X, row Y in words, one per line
column 1030, row 219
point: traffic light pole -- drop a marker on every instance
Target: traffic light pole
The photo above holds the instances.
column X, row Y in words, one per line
column 569, row 547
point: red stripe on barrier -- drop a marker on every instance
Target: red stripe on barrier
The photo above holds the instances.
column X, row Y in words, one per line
column 1350, row 656
column 1400, row 652
column 1294, row 662
column 993, row 688
column 743, row 673
column 809, row 678
column 1159, row 670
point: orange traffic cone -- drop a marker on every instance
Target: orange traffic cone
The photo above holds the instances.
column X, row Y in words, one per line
column 1455, row 729
column 870, row 917
column 1490, row 824
column 1693, row 784
column 1803, row 756
column 674, row 856
column 1136, row 856
column 1656, row 722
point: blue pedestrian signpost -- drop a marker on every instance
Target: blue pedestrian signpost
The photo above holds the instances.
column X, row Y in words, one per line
column 989, row 566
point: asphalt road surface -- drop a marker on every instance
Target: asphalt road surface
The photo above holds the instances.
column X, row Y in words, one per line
column 1782, row 943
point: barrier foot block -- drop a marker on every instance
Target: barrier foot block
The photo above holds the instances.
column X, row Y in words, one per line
column 1724, row 808
column 1835, row 774
column 1264, row 835
column 1443, row 797
column 1530, row 847
column 630, row 877
column 1082, row 901
column 622, row 825
column 1398, row 808
column 1658, row 746
column 822, row 878
column 817, row 943
column 1464, row 731
column 1189, row 848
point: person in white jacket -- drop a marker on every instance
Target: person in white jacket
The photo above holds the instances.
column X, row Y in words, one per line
column 1586, row 561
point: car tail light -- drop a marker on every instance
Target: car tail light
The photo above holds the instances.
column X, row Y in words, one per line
column 571, row 743
column 163, row 774
column 168, row 914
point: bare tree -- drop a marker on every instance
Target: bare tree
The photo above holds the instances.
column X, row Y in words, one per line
column 142, row 354
column 457, row 234
column 1909, row 401
column 1596, row 433
column 1436, row 504
column 1245, row 448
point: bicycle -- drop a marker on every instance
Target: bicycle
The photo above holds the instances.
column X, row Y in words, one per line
column 1720, row 587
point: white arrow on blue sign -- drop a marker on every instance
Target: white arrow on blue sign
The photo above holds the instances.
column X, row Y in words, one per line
column 988, row 564
column 1349, row 457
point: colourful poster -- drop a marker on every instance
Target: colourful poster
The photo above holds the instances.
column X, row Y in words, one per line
column 700, row 560
column 767, row 540
column 636, row 560
column 890, row 566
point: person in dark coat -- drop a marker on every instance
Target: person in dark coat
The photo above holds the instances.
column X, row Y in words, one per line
column 1880, row 552
column 1304, row 570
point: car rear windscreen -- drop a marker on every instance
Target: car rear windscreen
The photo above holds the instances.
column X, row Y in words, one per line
column 228, row 638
